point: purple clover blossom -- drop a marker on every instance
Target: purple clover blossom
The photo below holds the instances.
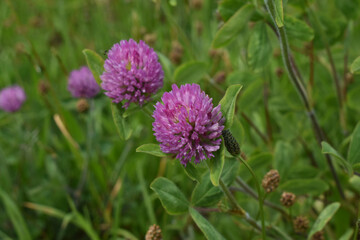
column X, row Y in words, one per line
column 132, row 73
column 187, row 124
column 82, row 83
column 11, row 98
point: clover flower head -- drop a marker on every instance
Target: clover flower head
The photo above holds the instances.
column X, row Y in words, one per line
column 187, row 124
column 82, row 83
column 11, row 98
column 132, row 73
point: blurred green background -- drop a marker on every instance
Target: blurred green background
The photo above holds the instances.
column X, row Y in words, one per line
column 93, row 184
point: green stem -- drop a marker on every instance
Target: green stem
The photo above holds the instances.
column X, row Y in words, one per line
column 247, row 189
column 231, row 198
column 260, row 196
column 285, row 51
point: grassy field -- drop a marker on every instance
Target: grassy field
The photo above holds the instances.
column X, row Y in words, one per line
column 68, row 175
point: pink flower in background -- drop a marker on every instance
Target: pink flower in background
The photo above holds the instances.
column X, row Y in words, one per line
column 187, row 124
column 82, row 83
column 11, row 98
column 132, row 73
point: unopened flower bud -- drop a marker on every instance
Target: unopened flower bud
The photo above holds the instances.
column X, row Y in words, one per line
column 82, row 105
column 301, row 224
column 154, row 233
column 318, row 236
column 271, row 180
column 230, row 143
column 287, row 199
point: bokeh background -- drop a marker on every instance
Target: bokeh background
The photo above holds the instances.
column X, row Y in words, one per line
column 66, row 174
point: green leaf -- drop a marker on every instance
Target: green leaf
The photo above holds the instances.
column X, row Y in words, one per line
column 216, row 165
column 74, row 217
column 347, row 235
column 227, row 8
column 228, row 103
column 205, row 194
column 327, row 149
column 230, row 170
column 323, row 218
column 281, row 233
column 355, row 183
column 233, row 26
column 15, row 216
column 349, row 8
column 353, row 98
column 312, row 187
column 192, row 172
column 279, row 12
column 355, row 66
column 121, row 126
column 354, row 149
column 283, row 158
column 172, row 199
column 95, row 62
column 152, row 149
column 250, row 95
column 259, row 48
column 297, row 29
column 190, row 72
column 208, row 230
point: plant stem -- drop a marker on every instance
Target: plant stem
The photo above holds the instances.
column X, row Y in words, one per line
column 260, row 195
column 239, row 210
column 247, row 189
column 231, row 198
column 267, row 112
column 285, row 51
column 257, row 130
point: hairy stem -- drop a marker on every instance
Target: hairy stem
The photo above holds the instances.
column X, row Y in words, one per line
column 285, row 51
column 260, row 195
column 257, row 130
column 231, row 199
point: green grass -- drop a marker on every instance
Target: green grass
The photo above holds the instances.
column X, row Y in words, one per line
column 95, row 185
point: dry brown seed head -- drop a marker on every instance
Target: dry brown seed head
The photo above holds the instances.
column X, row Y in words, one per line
column 301, row 224
column 154, row 233
column 318, row 236
column 82, row 105
column 287, row 199
column 271, row 180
